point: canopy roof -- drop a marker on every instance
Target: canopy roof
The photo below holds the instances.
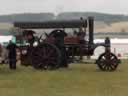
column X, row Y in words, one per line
column 52, row 24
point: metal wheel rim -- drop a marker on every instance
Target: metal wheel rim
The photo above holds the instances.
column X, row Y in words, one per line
column 46, row 58
column 107, row 62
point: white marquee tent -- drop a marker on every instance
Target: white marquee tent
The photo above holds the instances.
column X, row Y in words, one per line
column 118, row 46
column 113, row 41
column 6, row 39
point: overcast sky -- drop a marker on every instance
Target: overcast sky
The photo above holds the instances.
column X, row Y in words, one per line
column 57, row 6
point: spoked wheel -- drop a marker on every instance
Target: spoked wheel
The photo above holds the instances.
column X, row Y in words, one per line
column 46, row 56
column 107, row 62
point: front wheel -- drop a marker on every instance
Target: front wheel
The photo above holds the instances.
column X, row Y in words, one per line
column 107, row 62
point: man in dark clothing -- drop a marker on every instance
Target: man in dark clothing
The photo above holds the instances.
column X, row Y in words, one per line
column 12, row 55
column 59, row 35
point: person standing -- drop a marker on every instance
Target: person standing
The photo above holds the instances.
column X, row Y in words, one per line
column 12, row 54
column 59, row 36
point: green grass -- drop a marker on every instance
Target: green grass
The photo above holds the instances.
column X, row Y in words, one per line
column 77, row 80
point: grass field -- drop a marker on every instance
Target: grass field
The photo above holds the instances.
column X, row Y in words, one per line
column 77, row 80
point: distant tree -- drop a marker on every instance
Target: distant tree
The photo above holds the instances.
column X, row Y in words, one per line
column 15, row 31
column 123, row 31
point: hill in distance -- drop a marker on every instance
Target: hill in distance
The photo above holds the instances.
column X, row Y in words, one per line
column 107, row 18
column 103, row 22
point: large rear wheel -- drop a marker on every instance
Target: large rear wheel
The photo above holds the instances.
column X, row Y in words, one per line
column 46, row 56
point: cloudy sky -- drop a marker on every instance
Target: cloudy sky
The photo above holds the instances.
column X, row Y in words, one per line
column 57, row 6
